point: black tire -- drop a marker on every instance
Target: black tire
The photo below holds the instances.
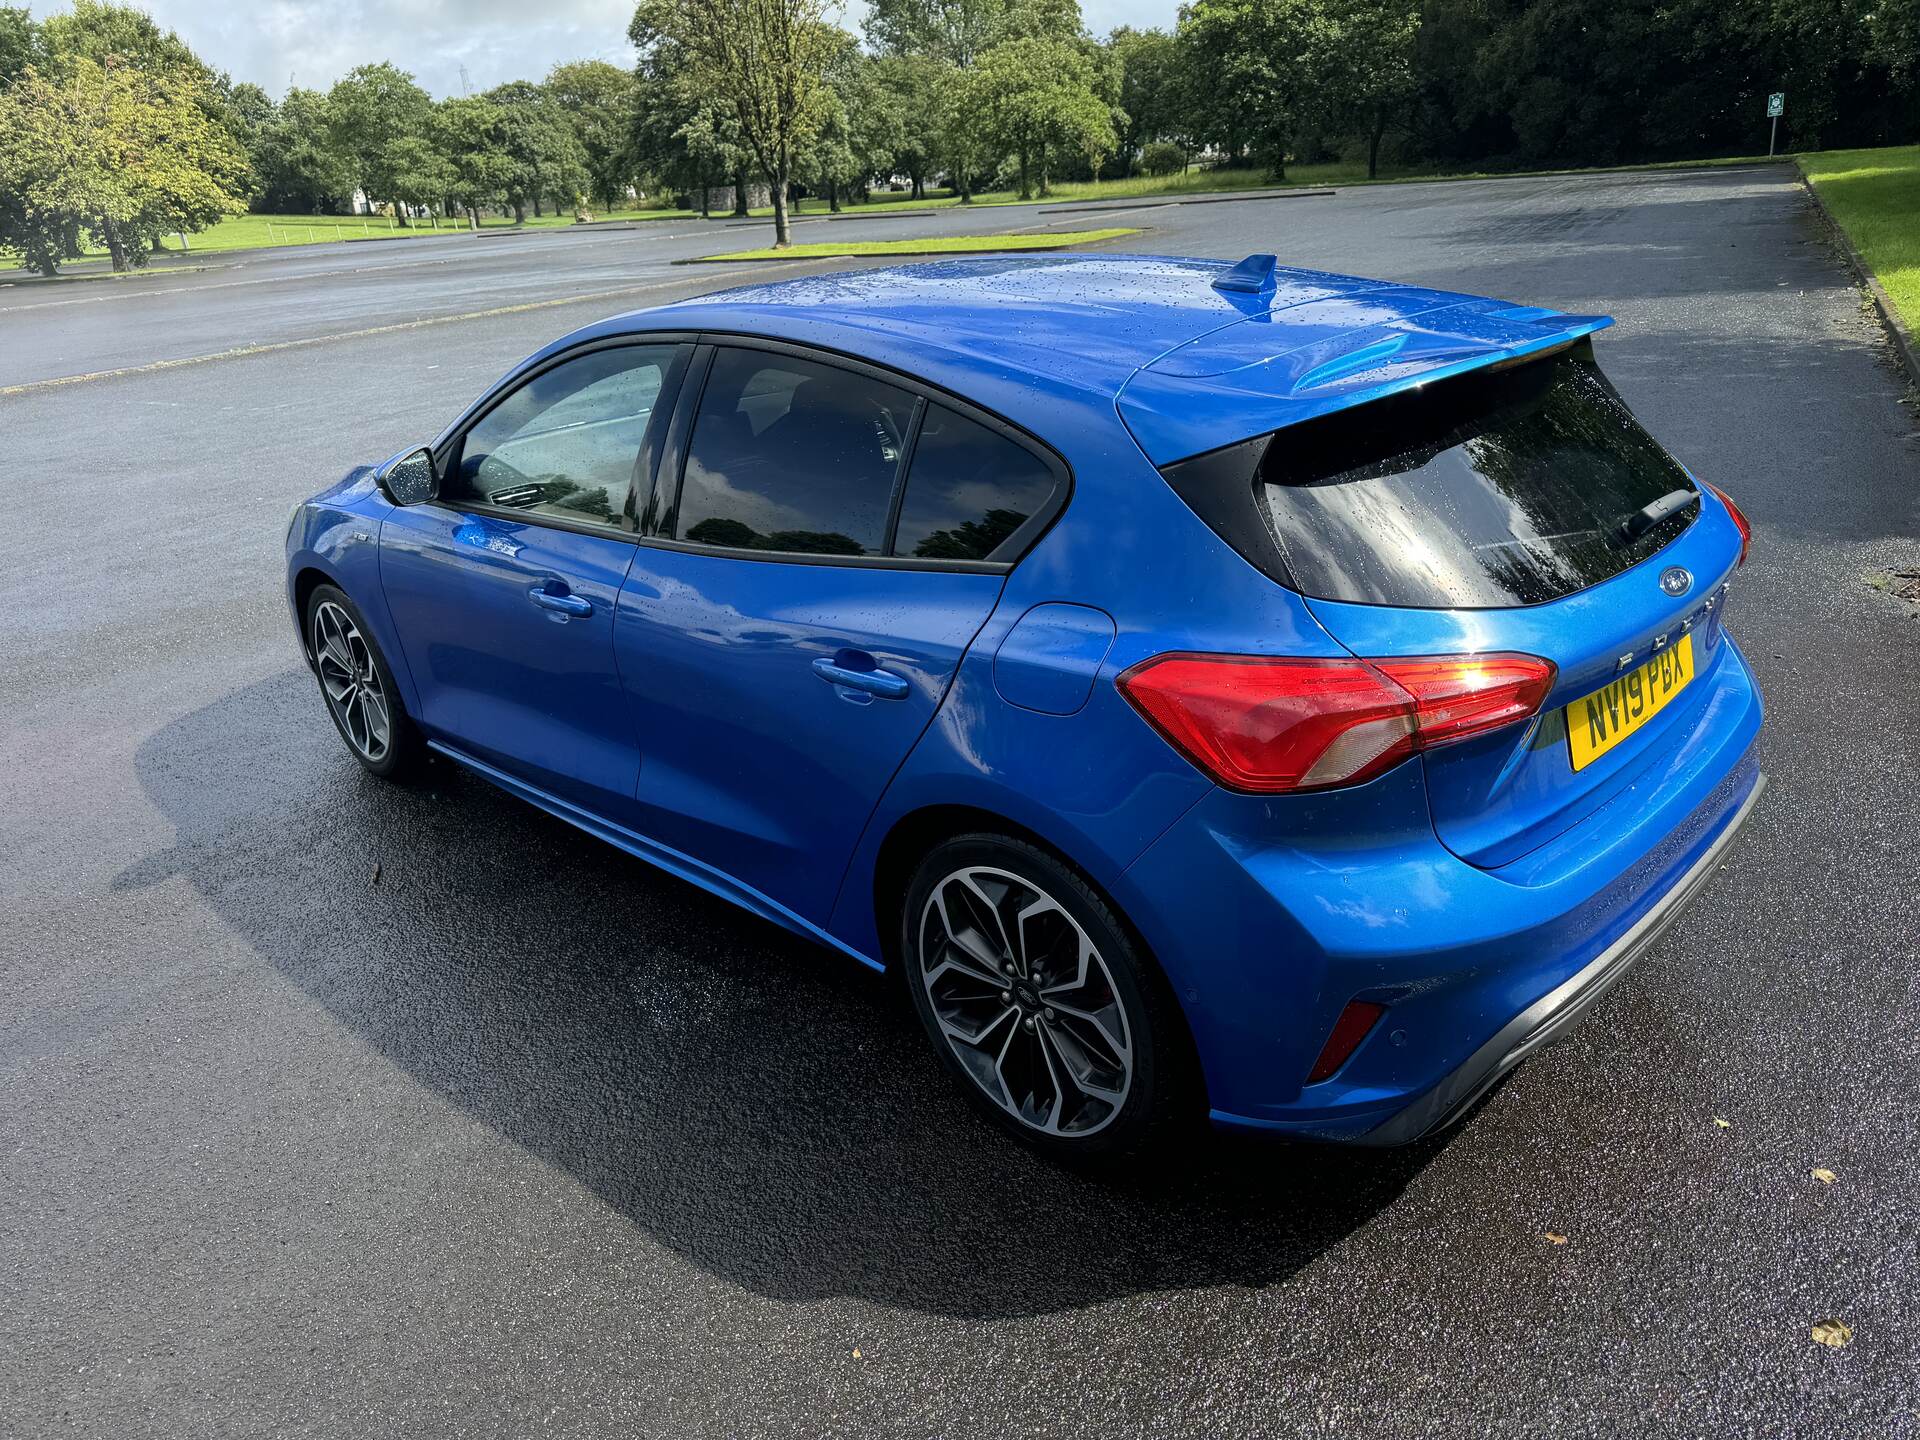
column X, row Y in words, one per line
column 402, row 754
column 1159, row 1102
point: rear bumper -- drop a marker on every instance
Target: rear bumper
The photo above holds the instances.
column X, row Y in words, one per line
column 1270, row 916
column 1561, row 1008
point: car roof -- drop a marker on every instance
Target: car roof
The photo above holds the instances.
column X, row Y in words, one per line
column 1191, row 364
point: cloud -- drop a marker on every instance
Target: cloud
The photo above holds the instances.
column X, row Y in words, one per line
column 315, row 42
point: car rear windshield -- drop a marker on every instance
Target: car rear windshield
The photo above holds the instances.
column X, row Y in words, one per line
column 1507, row 486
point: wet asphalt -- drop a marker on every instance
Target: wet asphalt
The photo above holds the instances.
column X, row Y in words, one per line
column 330, row 1108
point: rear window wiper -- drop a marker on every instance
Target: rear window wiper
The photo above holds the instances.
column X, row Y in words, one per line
column 1632, row 527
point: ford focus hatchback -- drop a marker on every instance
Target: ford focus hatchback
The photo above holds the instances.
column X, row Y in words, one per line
column 1217, row 691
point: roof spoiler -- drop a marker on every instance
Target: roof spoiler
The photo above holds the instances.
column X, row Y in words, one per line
column 1300, row 362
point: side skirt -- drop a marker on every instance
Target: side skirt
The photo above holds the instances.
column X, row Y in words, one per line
column 695, row 872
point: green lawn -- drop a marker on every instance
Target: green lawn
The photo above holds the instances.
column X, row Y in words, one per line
column 252, row 232
column 247, row 232
column 1206, row 182
column 1875, row 196
column 942, row 245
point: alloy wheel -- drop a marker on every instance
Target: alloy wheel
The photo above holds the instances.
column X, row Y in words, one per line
column 351, row 681
column 1025, row 1002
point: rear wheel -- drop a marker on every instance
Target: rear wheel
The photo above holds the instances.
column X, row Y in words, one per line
column 1041, row 1003
column 358, row 687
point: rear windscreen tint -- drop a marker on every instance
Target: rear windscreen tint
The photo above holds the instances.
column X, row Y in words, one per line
column 1496, row 488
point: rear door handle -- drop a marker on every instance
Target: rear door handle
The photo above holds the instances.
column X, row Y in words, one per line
column 560, row 602
column 883, row 683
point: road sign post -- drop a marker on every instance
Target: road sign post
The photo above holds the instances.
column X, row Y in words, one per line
column 1776, row 107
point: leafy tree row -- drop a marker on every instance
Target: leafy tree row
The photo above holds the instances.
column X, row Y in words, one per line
column 111, row 130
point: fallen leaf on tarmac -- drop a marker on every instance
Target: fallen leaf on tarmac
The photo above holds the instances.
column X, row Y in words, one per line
column 1836, row 1334
column 1824, row 1175
column 856, row 1352
column 1553, row 1239
column 1723, row 1124
column 376, row 872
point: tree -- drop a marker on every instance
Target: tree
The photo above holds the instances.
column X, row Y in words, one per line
column 878, row 121
column 1376, row 77
column 471, row 132
column 682, row 137
column 766, row 58
column 1036, row 100
column 597, row 99
column 367, row 110
column 103, row 33
column 861, row 130
column 417, row 171
column 250, row 114
column 968, row 145
column 547, row 161
column 299, row 169
column 912, row 86
column 1267, row 66
column 19, row 41
column 1893, row 38
column 951, row 32
column 1150, row 89
column 124, row 154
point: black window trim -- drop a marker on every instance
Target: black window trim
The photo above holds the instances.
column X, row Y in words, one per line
column 653, row 449
column 1017, row 545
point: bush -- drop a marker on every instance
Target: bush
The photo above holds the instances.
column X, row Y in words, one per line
column 1163, row 157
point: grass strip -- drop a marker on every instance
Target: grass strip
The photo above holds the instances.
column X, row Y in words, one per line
column 1874, row 195
column 938, row 245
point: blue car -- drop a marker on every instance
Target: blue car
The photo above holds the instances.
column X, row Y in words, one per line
column 1216, row 690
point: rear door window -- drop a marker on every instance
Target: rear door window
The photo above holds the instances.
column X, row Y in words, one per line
column 1498, row 488
column 969, row 489
column 791, row 456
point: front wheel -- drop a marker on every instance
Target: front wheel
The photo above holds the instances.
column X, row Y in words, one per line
column 1041, row 1003
column 358, row 687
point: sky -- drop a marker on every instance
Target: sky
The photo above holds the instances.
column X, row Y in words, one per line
column 313, row 43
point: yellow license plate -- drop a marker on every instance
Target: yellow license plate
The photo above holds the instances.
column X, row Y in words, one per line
column 1601, row 721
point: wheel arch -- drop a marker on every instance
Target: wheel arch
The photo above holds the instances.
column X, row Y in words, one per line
column 306, row 580
column 914, row 835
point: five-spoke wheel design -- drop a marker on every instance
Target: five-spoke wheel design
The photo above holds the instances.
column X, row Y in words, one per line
column 351, row 680
column 1025, row 1002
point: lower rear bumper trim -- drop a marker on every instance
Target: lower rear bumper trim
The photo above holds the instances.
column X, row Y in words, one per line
column 1556, row 1012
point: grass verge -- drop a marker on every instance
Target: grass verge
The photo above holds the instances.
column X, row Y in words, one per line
column 1216, row 182
column 257, row 232
column 1874, row 195
column 941, row 245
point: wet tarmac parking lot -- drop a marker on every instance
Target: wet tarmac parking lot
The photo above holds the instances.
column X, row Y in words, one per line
column 339, row 1108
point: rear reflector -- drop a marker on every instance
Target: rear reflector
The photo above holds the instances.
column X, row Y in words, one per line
column 1356, row 1022
column 1272, row 725
column 1740, row 521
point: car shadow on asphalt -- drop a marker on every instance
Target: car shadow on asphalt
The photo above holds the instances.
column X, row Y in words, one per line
column 749, row 1100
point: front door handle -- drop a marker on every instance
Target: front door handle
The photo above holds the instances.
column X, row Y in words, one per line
column 883, row 683
column 560, row 602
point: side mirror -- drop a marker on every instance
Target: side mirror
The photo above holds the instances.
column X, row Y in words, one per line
column 412, row 479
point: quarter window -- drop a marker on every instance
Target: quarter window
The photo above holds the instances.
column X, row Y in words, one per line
column 791, row 456
column 968, row 489
column 565, row 443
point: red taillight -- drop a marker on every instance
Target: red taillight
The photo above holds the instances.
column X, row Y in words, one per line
column 1270, row 724
column 1740, row 521
column 1353, row 1026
